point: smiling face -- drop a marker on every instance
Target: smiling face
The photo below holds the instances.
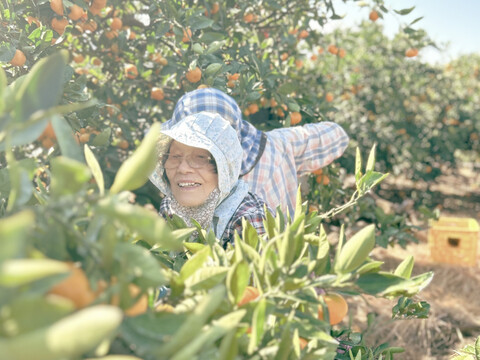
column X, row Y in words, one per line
column 190, row 186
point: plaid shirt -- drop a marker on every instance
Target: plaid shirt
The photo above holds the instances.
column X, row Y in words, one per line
column 251, row 209
column 290, row 152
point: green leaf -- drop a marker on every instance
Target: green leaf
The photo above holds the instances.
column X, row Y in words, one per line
column 371, row 159
column 214, row 45
column 102, row 139
column 61, row 340
column 369, row 180
column 287, row 88
column 200, row 22
column 94, row 167
column 31, row 313
column 42, row 87
column 258, row 325
column 195, row 263
column 405, row 11
column 477, row 348
column 237, row 281
column 355, row 251
column 140, row 264
column 139, row 220
column 253, row 96
column 404, row 269
column 358, row 165
column 192, row 326
column 66, row 141
column 16, row 272
column 3, row 88
column 206, row 278
column 13, row 233
column 135, row 171
column 390, row 285
column 213, row 69
column 68, row 176
column 209, row 335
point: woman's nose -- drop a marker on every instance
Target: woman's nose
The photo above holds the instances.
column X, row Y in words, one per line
column 184, row 166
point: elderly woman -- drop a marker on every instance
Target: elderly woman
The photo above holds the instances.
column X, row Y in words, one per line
column 272, row 160
column 198, row 171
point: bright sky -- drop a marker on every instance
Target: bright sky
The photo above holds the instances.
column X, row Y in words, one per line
column 454, row 25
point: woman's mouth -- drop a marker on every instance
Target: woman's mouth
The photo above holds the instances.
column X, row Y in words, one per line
column 187, row 184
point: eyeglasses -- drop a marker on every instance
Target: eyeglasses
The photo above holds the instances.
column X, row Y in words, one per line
column 171, row 161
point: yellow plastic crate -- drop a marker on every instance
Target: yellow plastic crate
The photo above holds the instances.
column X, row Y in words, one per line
column 454, row 240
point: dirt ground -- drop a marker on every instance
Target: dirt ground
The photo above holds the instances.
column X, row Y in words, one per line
column 454, row 293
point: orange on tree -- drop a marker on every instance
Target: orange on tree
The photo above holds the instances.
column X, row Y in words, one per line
column 250, row 294
column 249, row 17
column 96, row 61
column 140, row 306
column 164, row 308
column 90, row 25
column 323, row 179
column 412, row 52
column 329, row 97
column 31, row 19
column 273, row 103
column 57, row 6
column 231, row 83
column 215, row 8
column 18, row 59
column 252, row 108
column 233, row 76
column 84, row 138
column 59, row 25
column 47, row 143
column 131, row 71
column 111, row 34
column 187, row 35
column 318, row 172
column 194, row 75
column 97, row 6
column 332, row 49
column 303, row 34
column 123, row 144
column 76, row 12
column 284, row 56
column 78, row 58
column 337, row 307
column 341, row 53
column 373, row 15
column 157, row 93
column 303, row 342
column 75, row 287
column 298, row 63
column 295, row 117
column 116, row 23
column 48, row 132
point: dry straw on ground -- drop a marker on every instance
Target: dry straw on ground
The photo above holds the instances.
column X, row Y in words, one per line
column 454, row 297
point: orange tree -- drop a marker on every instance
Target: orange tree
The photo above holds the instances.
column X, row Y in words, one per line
column 420, row 116
column 65, row 202
column 138, row 58
column 87, row 273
